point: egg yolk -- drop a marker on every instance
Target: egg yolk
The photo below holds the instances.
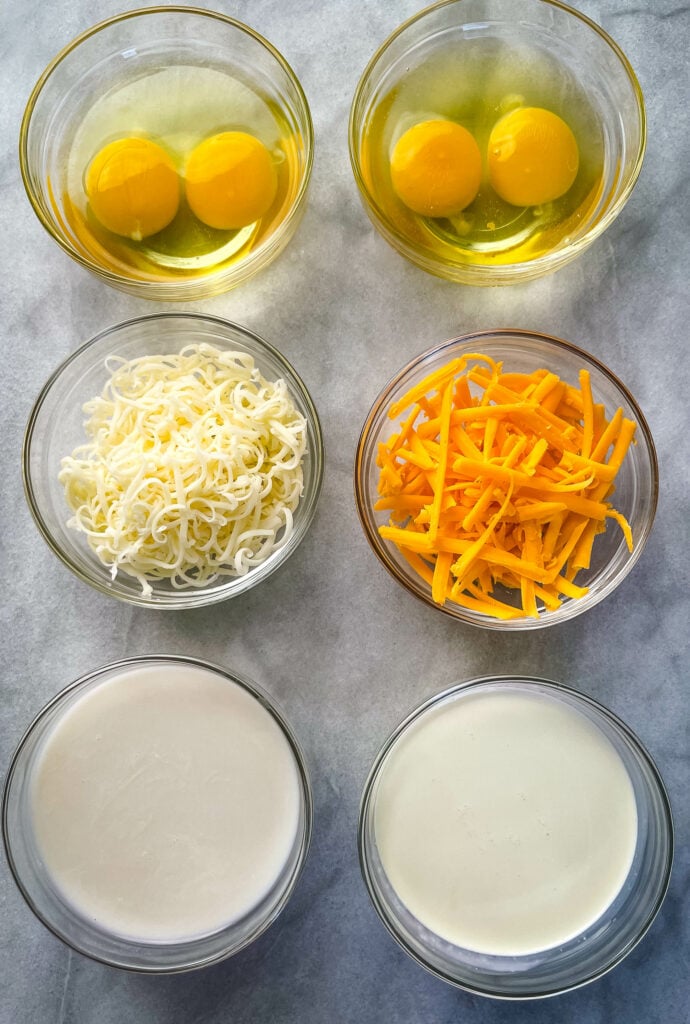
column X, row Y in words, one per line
column 133, row 188
column 436, row 168
column 533, row 157
column 231, row 180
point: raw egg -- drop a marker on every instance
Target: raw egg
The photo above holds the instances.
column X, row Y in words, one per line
column 231, row 180
column 436, row 168
column 533, row 157
column 133, row 188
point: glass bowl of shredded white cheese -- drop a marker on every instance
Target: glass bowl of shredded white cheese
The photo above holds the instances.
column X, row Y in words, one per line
column 173, row 461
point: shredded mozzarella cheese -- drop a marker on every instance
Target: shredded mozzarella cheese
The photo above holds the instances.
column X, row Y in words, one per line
column 193, row 469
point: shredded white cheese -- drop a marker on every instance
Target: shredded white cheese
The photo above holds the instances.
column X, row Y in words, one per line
column 193, row 469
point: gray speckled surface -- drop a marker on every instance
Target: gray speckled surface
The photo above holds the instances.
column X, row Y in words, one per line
column 331, row 635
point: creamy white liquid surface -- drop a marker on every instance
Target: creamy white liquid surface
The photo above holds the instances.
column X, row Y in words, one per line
column 505, row 821
column 165, row 803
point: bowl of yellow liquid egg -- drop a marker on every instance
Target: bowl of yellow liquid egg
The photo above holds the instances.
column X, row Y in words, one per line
column 168, row 151
column 492, row 141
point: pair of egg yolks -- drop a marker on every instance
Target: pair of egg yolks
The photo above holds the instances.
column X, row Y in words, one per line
column 436, row 166
column 134, row 190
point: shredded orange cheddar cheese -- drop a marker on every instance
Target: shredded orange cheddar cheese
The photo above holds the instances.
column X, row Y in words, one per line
column 500, row 479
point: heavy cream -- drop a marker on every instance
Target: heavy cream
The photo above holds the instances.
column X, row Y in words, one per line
column 505, row 820
column 165, row 802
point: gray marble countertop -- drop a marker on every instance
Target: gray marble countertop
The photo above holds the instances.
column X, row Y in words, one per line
column 348, row 312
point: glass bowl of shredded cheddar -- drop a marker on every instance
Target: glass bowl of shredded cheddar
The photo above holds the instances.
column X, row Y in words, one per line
column 507, row 478
column 173, row 461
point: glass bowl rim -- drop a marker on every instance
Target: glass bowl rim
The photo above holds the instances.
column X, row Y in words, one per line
column 307, row 803
column 478, row 682
column 381, row 549
column 183, row 599
column 168, row 286
column 547, row 261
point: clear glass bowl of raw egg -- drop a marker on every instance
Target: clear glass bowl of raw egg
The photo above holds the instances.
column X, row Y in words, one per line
column 492, row 141
column 169, row 152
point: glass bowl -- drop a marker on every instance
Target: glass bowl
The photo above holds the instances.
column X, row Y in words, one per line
column 600, row 945
column 636, row 484
column 175, row 75
column 490, row 56
column 85, row 933
column 56, row 428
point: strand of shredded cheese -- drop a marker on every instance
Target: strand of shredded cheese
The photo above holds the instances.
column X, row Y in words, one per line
column 193, row 468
